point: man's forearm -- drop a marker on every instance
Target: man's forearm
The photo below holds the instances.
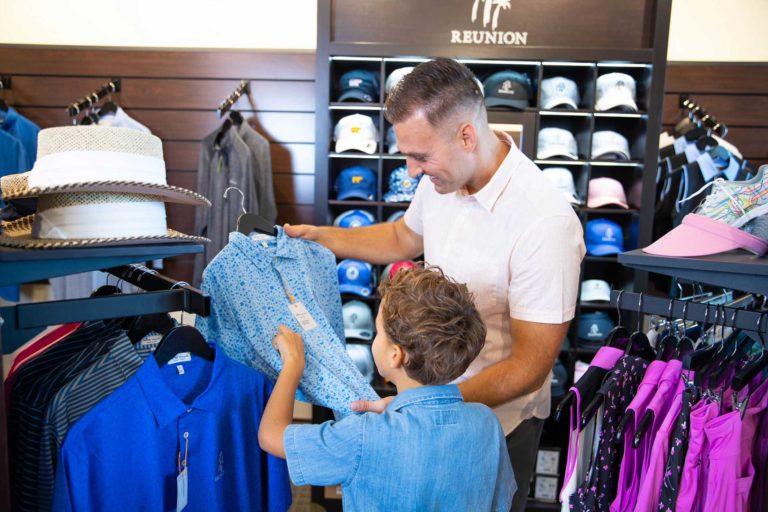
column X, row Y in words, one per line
column 376, row 244
column 502, row 382
column 278, row 413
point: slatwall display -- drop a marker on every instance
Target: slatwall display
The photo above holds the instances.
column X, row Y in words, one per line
column 347, row 42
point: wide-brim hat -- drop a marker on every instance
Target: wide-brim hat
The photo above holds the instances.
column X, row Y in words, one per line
column 89, row 219
column 97, row 159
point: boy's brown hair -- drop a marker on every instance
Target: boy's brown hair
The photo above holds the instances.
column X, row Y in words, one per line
column 434, row 319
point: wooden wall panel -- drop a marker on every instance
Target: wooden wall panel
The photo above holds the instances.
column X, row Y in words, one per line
column 735, row 93
column 175, row 94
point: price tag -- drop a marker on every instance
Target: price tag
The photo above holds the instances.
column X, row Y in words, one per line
column 302, row 316
column 181, row 490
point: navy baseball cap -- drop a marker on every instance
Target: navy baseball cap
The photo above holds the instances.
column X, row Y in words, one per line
column 508, row 89
column 356, row 182
column 355, row 277
column 604, row 237
column 354, row 219
column 359, row 85
column 402, row 187
column 594, row 328
column 559, row 379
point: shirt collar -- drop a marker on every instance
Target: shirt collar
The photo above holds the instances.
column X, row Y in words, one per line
column 445, row 394
column 282, row 245
column 9, row 117
column 710, row 171
column 164, row 404
column 490, row 193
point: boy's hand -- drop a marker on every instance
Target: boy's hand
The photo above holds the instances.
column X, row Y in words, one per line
column 291, row 348
column 377, row 406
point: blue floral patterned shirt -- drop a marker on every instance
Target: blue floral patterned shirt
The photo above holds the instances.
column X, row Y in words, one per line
column 251, row 282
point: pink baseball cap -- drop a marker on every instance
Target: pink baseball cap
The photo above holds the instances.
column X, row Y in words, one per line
column 702, row 236
column 605, row 191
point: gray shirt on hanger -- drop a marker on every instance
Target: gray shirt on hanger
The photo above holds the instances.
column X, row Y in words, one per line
column 228, row 164
column 262, row 169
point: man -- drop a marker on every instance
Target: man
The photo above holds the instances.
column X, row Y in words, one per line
column 485, row 214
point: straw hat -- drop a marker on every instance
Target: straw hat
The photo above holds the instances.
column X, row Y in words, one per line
column 97, row 159
column 96, row 186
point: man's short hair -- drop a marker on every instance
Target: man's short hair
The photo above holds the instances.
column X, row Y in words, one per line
column 434, row 319
column 439, row 88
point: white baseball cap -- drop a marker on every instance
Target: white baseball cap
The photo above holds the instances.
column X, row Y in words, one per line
column 559, row 91
column 608, row 145
column 358, row 320
column 594, row 290
column 356, row 132
column 562, row 179
column 557, row 142
column 616, row 90
column 394, row 78
column 363, row 358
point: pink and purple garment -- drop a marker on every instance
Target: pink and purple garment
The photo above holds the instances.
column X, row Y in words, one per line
column 651, row 482
column 689, row 498
column 633, row 460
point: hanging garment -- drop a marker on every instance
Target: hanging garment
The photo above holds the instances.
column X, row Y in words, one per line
column 581, row 443
column 250, row 283
column 723, row 488
column 633, row 460
column 190, row 419
column 689, row 498
column 652, row 480
column 659, row 406
column 36, row 384
column 223, row 165
column 120, row 119
column 598, row 490
column 79, row 396
column 673, row 470
column 261, row 162
column 31, row 349
column 749, row 437
column 760, row 458
column 24, row 130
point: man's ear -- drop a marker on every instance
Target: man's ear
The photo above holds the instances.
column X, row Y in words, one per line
column 468, row 137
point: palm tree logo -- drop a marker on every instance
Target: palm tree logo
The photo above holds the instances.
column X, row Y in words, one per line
column 488, row 6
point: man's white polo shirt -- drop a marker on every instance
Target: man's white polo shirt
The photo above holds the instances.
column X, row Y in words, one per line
column 518, row 246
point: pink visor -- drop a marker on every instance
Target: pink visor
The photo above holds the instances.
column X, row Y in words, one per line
column 702, row 236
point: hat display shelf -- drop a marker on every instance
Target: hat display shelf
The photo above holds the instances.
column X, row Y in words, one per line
column 578, row 41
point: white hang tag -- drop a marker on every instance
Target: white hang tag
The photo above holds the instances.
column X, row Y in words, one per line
column 181, row 490
column 181, row 357
column 302, row 316
column 180, row 369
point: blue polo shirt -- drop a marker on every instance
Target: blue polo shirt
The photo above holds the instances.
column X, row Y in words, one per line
column 124, row 454
column 25, row 131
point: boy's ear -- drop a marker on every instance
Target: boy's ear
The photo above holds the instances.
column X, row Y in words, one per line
column 397, row 357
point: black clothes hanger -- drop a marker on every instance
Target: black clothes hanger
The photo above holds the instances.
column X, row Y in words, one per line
column 184, row 338
column 638, row 344
column 619, row 335
column 248, row 223
column 140, row 326
column 751, row 370
column 110, row 107
column 670, row 339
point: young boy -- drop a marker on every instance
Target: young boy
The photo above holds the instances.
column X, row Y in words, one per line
column 428, row 450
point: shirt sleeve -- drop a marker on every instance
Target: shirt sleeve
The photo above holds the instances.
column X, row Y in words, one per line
column 67, row 495
column 414, row 214
column 324, row 454
column 544, row 271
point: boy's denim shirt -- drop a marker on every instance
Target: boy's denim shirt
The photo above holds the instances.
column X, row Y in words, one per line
column 428, row 451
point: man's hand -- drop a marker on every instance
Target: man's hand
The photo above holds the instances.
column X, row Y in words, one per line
column 305, row 231
column 377, row 406
column 291, row 348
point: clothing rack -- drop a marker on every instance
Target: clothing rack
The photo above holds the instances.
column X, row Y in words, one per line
column 162, row 295
column 697, row 112
column 93, row 98
column 689, row 310
column 226, row 105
